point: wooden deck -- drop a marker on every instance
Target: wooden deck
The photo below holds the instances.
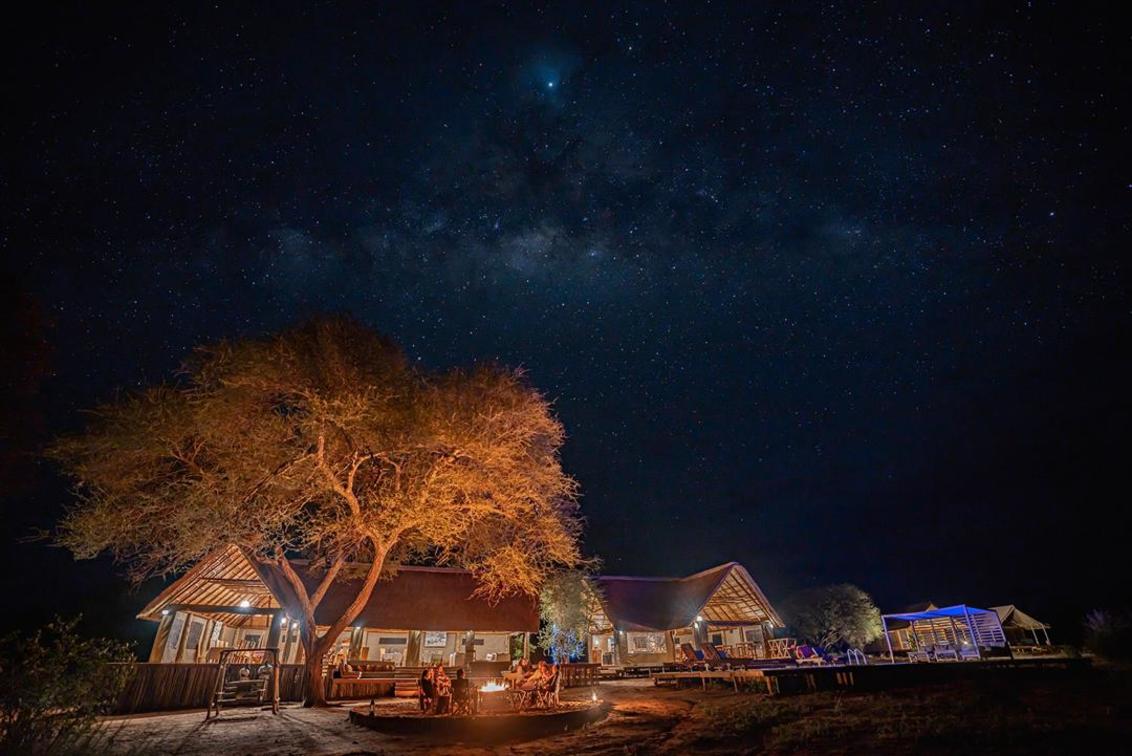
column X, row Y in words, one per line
column 776, row 681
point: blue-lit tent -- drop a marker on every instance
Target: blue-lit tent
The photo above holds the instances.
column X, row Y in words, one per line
column 958, row 627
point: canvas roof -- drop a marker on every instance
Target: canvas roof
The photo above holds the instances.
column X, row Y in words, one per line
column 723, row 595
column 959, row 610
column 1011, row 616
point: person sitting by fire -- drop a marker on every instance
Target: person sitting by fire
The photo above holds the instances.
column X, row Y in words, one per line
column 539, row 677
column 461, row 694
column 443, row 685
column 426, row 690
column 519, row 673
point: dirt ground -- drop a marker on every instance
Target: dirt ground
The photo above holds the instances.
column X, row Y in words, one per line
column 1066, row 715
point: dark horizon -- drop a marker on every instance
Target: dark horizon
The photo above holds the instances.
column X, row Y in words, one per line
column 835, row 293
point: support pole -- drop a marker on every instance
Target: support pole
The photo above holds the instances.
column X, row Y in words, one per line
column 974, row 636
column 887, row 640
column 162, row 638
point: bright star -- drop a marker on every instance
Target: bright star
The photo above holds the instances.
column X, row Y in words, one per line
column 550, row 85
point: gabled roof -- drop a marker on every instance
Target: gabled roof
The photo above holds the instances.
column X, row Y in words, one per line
column 726, row 594
column 1011, row 616
column 414, row 598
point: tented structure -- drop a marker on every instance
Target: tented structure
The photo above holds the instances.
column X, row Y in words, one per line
column 1018, row 624
column 959, row 627
column 643, row 621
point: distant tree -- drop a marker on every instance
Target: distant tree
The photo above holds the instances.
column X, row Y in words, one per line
column 833, row 615
column 323, row 443
column 56, row 684
column 1108, row 634
column 568, row 603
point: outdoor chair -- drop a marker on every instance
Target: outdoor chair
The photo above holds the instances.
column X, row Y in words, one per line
column 692, row 660
column 968, row 653
column 808, row 655
column 919, row 655
column 547, row 696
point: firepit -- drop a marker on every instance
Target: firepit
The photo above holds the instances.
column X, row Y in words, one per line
column 486, row 726
column 494, row 698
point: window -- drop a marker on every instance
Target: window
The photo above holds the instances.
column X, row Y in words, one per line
column 717, row 639
column 435, row 640
column 646, row 643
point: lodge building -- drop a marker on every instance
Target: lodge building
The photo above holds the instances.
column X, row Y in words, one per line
column 425, row 615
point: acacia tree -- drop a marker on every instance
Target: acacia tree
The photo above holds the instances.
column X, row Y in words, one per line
column 834, row 614
column 323, row 443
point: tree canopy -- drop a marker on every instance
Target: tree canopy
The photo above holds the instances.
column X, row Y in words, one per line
column 841, row 614
column 324, row 442
column 568, row 603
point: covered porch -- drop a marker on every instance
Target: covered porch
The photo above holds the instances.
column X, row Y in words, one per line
column 950, row 633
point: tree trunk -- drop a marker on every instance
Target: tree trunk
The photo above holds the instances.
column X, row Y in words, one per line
column 315, row 693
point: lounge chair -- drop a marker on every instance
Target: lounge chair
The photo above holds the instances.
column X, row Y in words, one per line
column 808, row 655
column 919, row 655
column 692, row 660
column 969, row 653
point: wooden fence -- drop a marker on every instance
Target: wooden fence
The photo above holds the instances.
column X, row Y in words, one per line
column 579, row 675
column 163, row 687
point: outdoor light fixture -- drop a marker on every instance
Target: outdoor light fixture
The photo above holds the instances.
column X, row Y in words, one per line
column 699, row 618
column 244, row 604
column 164, row 612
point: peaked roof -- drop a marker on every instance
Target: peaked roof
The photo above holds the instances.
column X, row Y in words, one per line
column 1011, row 616
column 414, row 598
column 726, row 594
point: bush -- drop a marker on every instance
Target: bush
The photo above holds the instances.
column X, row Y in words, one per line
column 1108, row 634
column 56, row 683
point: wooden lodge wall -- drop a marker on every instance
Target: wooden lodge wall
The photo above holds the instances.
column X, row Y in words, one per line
column 164, row 687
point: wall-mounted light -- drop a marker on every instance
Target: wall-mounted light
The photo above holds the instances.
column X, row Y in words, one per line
column 699, row 618
column 164, row 612
column 245, row 604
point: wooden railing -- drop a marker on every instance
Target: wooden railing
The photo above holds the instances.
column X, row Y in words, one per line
column 579, row 675
column 164, row 687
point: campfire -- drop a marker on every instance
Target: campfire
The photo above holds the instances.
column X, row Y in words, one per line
column 492, row 687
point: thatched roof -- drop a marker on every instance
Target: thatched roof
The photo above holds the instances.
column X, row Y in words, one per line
column 415, row 598
column 723, row 595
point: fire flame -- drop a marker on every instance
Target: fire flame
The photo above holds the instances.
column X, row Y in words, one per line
column 492, row 687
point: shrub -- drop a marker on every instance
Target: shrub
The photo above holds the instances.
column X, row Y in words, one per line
column 1108, row 634
column 56, row 683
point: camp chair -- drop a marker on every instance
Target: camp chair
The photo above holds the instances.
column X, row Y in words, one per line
column 547, row 696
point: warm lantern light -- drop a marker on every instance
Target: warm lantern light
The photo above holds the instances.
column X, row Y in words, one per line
column 593, row 697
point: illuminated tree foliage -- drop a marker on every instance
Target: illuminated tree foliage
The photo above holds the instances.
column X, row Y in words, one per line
column 323, row 443
column 834, row 615
column 568, row 604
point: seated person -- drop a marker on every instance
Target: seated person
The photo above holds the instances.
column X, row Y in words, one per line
column 461, row 692
column 443, row 689
column 517, row 674
column 426, row 690
column 537, row 678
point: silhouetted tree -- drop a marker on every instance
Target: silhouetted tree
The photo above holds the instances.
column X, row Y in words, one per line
column 833, row 615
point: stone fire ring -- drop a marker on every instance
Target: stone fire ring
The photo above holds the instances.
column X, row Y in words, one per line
column 486, row 728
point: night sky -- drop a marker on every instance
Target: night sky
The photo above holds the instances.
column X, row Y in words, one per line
column 837, row 291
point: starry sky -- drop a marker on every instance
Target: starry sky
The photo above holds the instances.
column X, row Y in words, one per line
column 835, row 290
